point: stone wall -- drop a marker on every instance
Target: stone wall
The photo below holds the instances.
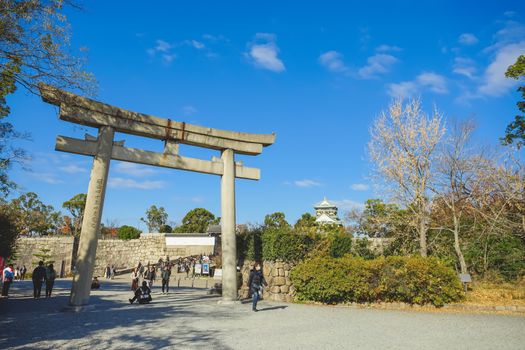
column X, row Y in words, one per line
column 277, row 275
column 123, row 254
column 60, row 249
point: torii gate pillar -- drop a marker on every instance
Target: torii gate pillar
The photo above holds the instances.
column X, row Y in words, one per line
column 229, row 244
column 87, row 248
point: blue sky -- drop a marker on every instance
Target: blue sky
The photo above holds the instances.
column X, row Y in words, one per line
column 316, row 74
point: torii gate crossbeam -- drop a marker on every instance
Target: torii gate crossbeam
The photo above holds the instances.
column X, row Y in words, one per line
column 109, row 119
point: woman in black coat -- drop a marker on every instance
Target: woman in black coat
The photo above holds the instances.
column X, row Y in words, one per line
column 255, row 283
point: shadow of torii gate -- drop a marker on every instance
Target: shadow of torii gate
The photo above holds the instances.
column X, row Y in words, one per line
column 109, row 119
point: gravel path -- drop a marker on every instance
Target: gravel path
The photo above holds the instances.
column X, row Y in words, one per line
column 189, row 318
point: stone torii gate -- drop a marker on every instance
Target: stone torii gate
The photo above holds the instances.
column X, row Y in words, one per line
column 109, row 119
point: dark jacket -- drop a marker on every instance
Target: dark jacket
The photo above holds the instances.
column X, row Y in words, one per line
column 39, row 274
column 256, row 279
column 165, row 274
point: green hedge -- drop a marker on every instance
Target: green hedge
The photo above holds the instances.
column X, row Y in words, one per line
column 413, row 280
column 273, row 244
column 128, row 232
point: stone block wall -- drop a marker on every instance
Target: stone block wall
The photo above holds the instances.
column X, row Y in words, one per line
column 123, row 254
column 277, row 275
column 60, row 248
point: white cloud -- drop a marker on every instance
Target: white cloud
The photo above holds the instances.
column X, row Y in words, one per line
column 197, row 44
column 133, row 169
column 189, row 110
column 49, row 178
column 163, row 46
column 359, row 187
column 348, row 204
column 264, row 52
column 468, row 39
column 197, row 199
column 464, row 66
column 377, row 64
column 402, row 89
column 168, row 58
column 435, row 82
column 388, row 48
column 164, row 49
column 118, row 182
column 494, row 81
column 73, row 169
column 307, row 183
column 426, row 80
column 513, row 32
column 333, row 61
column 215, row 38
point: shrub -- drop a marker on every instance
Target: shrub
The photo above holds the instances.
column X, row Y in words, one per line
column 128, row 232
column 413, row 280
column 341, row 245
column 287, row 245
column 165, row 229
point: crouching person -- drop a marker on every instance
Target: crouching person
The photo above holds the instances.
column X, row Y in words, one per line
column 142, row 294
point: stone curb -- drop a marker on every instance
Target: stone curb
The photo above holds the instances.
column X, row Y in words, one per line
column 514, row 309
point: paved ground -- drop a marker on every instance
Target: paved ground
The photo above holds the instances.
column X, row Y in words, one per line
column 189, row 318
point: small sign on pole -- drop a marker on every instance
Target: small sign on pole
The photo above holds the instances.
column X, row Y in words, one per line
column 198, row 269
column 465, row 278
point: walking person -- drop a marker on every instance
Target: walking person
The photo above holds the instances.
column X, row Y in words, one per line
column 135, row 279
column 50, row 280
column 165, row 275
column 255, row 283
column 39, row 275
column 149, row 276
column 113, row 271
column 107, row 272
column 8, row 275
column 23, row 272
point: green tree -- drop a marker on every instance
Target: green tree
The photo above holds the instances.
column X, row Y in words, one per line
column 306, row 224
column 76, row 206
column 166, row 229
column 197, row 220
column 515, row 131
column 8, row 232
column 44, row 256
column 34, row 48
column 128, row 232
column 155, row 218
column 341, row 245
column 32, row 216
column 276, row 220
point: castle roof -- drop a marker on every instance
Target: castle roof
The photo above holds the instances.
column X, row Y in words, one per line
column 325, row 204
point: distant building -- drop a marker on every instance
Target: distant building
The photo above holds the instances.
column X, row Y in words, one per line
column 326, row 214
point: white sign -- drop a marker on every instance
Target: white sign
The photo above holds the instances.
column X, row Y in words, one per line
column 198, row 269
column 217, row 274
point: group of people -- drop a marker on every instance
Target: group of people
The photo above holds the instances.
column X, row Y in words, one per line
column 147, row 274
column 19, row 273
column 110, row 272
column 41, row 274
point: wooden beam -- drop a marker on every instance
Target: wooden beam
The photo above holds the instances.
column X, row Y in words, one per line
column 61, row 98
column 89, row 148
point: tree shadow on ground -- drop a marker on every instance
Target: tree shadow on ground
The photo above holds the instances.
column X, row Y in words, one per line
column 110, row 323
